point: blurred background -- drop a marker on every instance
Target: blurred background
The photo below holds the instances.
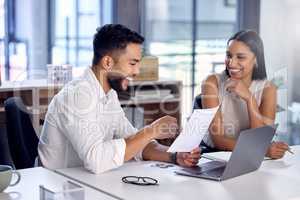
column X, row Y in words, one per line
column 188, row 36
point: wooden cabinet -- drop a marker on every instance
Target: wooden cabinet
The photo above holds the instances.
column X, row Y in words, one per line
column 153, row 98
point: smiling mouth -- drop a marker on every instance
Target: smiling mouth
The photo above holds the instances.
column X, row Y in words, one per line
column 234, row 70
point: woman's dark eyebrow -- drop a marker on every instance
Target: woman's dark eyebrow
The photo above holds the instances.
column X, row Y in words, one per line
column 238, row 54
column 241, row 54
column 134, row 60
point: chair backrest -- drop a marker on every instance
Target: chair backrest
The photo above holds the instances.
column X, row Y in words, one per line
column 22, row 139
column 197, row 102
column 5, row 158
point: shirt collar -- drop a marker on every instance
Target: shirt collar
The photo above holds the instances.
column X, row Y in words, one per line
column 91, row 77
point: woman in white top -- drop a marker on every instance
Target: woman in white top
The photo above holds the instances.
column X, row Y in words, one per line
column 247, row 100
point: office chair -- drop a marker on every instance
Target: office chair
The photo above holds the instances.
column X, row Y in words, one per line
column 197, row 104
column 22, row 139
column 5, row 158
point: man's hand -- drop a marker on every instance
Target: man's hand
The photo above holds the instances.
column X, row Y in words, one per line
column 277, row 150
column 189, row 159
column 162, row 128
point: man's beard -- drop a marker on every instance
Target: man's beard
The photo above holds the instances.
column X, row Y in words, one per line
column 119, row 82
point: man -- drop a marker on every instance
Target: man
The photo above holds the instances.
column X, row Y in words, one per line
column 85, row 124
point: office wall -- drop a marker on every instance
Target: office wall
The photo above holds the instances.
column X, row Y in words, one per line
column 280, row 31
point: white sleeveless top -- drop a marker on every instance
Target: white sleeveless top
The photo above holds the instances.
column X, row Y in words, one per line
column 234, row 109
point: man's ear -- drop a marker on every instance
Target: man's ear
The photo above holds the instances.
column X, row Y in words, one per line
column 107, row 63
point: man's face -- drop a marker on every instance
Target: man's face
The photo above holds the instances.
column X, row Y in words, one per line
column 126, row 66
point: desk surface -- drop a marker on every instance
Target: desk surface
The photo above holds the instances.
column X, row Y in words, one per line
column 28, row 188
column 276, row 179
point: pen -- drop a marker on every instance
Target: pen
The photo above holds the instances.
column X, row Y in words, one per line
column 290, row 150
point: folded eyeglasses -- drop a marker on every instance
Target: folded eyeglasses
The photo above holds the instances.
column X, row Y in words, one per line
column 139, row 180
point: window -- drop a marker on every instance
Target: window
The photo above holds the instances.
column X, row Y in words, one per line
column 2, row 34
column 75, row 22
column 216, row 22
column 13, row 50
column 190, row 43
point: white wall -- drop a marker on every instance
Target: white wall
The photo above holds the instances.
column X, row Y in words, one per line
column 280, row 31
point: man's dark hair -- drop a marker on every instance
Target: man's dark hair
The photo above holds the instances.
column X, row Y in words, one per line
column 112, row 37
column 254, row 42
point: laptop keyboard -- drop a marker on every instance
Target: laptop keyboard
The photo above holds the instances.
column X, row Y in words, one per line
column 213, row 167
column 215, row 172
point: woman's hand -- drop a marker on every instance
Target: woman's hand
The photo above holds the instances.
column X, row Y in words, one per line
column 190, row 159
column 277, row 150
column 239, row 88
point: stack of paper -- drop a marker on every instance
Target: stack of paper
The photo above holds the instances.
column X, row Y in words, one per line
column 194, row 131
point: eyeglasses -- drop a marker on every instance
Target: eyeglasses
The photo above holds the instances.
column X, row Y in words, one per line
column 139, row 180
column 162, row 165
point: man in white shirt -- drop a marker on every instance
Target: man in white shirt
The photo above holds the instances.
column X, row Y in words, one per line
column 85, row 124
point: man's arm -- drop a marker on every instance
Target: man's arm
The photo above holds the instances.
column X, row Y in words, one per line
column 165, row 127
column 144, row 141
column 158, row 152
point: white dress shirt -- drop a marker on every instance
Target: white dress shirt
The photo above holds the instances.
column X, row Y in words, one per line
column 85, row 127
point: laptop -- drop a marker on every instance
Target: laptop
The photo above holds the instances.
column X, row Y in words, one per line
column 247, row 156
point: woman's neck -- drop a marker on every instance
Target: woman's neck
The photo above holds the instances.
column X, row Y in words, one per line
column 247, row 80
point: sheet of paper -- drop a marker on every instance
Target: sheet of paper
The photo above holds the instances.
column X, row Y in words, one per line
column 194, row 131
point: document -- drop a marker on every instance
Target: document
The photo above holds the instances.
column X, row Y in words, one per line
column 194, row 130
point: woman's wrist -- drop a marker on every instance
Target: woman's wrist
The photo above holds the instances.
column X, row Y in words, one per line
column 249, row 99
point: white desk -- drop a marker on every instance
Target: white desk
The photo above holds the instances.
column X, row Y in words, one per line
column 28, row 188
column 276, row 179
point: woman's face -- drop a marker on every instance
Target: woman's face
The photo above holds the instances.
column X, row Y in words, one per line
column 240, row 60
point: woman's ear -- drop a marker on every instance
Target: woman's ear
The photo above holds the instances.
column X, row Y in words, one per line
column 107, row 63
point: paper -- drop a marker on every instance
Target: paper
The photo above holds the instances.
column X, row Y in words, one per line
column 194, row 131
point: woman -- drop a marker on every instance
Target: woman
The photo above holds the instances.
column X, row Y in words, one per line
column 246, row 98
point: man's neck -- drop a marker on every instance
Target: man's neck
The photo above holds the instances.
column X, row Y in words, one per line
column 101, row 77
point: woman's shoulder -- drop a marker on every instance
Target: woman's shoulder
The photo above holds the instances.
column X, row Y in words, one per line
column 265, row 84
column 212, row 82
column 269, row 86
column 216, row 78
column 212, row 78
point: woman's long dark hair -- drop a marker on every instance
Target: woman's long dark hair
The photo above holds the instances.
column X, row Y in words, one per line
column 254, row 42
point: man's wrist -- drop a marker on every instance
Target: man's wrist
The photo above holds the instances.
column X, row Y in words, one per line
column 149, row 132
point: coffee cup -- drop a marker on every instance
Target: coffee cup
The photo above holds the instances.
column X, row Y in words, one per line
column 6, row 173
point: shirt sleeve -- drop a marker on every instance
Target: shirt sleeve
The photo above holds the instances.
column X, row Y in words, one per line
column 126, row 130
column 78, row 114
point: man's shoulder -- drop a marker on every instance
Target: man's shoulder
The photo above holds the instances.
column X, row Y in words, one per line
column 76, row 92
